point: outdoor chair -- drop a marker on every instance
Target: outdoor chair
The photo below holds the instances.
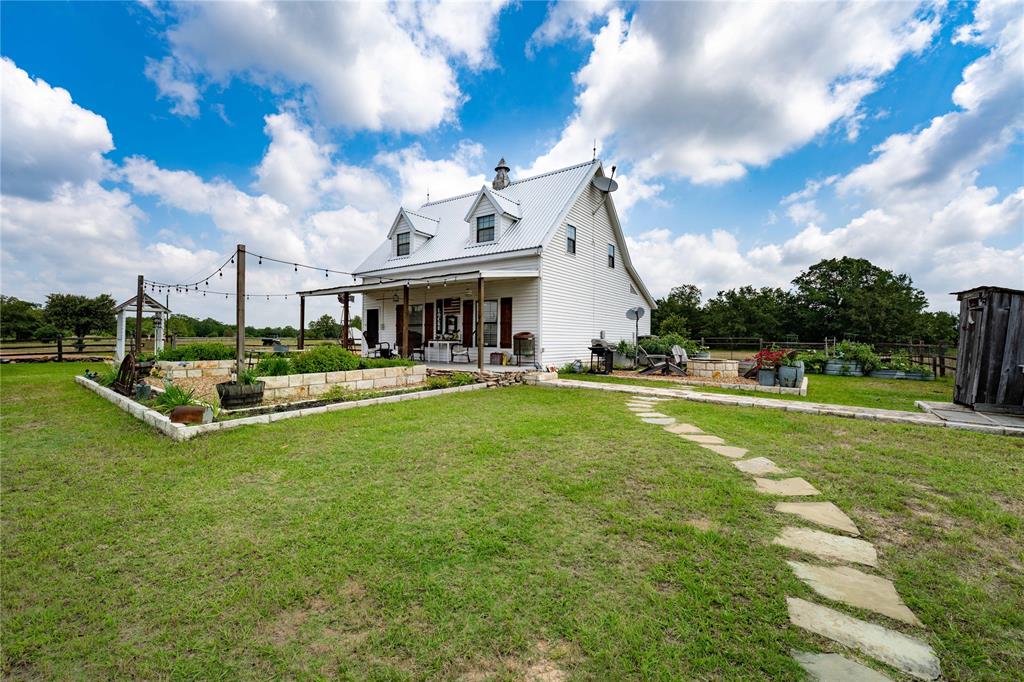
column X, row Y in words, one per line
column 656, row 362
column 679, row 357
column 460, row 351
column 381, row 350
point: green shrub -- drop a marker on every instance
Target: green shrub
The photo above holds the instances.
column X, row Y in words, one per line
column 174, row 396
column 326, row 358
column 336, row 392
column 450, row 380
column 900, row 360
column 814, row 361
column 861, row 353
column 248, row 377
column 198, row 351
column 273, row 366
column 107, row 375
column 662, row 345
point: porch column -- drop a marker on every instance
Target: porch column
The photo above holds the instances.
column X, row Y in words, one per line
column 119, row 348
column 302, row 322
column 344, row 319
column 480, row 323
column 405, row 327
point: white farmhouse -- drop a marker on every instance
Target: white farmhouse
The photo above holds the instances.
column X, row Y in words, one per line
column 539, row 262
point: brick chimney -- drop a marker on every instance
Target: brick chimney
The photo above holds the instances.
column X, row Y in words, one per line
column 501, row 180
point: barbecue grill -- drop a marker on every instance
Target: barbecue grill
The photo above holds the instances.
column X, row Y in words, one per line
column 602, row 355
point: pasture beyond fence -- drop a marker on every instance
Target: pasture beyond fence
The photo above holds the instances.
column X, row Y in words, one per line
column 940, row 358
column 73, row 348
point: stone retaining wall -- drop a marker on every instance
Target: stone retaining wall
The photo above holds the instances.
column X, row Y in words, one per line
column 489, row 378
column 713, row 369
column 311, row 386
column 194, row 369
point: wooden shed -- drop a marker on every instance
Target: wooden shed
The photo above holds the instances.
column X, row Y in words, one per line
column 990, row 355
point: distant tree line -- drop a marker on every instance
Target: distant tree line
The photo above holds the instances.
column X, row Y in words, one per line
column 75, row 315
column 838, row 297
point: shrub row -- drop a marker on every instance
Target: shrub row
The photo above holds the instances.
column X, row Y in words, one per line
column 197, row 351
column 322, row 359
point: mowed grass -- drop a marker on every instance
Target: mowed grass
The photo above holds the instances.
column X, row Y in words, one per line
column 495, row 534
column 888, row 394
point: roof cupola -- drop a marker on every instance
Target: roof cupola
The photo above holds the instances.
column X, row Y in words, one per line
column 501, row 180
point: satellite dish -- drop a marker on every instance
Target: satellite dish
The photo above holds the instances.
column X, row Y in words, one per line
column 606, row 185
column 634, row 313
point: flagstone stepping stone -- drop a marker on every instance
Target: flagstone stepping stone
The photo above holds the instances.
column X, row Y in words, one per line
column 639, row 408
column 650, row 414
column 683, row 428
column 702, row 438
column 902, row 652
column 787, row 487
column 757, row 465
column 836, row 668
column 730, row 451
column 660, row 421
column 821, row 513
column 828, row 546
column 847, row 584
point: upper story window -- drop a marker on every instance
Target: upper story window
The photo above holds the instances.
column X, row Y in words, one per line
column 402, row 244
column 485, row 228
column 570, row 239
column 611, row 255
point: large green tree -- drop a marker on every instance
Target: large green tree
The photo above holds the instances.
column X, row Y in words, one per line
column 324, row 328
column 853, row 298
column 764, row 313
column 19, row 319
column 679, row 312
column 80, row 315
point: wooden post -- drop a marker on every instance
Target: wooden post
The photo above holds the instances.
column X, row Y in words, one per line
column 942, row 360
column 480, row 323
column 60, row 348
column 239, row 312
column 302, row 322
column 344, row 319
column 140, row 294
column 405, row 327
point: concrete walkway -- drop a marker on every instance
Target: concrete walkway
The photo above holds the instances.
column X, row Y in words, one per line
column 847, row 411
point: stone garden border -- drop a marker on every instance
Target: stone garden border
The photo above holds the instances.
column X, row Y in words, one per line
column 179, row 432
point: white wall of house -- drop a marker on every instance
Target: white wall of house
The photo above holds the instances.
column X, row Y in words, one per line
column 581, row 295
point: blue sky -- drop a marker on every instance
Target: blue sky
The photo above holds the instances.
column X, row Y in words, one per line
column 751, row 140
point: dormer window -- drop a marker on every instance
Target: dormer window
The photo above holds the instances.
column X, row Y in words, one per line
column 402, row 244
column 485, row 229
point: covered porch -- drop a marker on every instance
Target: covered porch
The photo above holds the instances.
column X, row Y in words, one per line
column 483, row 320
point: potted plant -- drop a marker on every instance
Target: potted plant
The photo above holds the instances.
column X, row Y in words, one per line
column 790, row 372
column 766, row 361
column 624, row 354
column 247, row 391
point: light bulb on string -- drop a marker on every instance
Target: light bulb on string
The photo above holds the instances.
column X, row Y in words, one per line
column 220, row 272
column 261, row 260
column 296, row 266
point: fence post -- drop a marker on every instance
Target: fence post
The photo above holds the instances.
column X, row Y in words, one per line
column 60, row 348
column 174, row 340
column 942, row 360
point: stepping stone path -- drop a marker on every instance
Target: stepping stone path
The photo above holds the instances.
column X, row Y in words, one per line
column 730, row 451
column 758, row 465
column 833, row 668
column 902, row 652
column 787, row 487
column 827, row 545
column 839, row 583
column 847, row 584
column 821, row 513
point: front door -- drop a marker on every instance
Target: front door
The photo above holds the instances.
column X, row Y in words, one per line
column 371, row 330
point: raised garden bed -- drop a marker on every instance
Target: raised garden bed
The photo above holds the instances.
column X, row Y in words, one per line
column 901, row 374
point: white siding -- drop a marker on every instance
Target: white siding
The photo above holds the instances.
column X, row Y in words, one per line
column 582, row 296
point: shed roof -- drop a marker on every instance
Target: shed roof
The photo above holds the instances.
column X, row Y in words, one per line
column 149, row 305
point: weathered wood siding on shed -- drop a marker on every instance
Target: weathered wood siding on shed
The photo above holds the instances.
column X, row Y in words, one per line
column 581, row 295
column 990, row 355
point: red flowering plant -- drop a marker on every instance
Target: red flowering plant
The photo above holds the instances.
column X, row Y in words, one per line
column 770, row 358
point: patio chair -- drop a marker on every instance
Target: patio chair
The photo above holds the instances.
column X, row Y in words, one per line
column 460, row 351
column 656, row 362
column 679, row 357
column 381, row 350
column 416, row 346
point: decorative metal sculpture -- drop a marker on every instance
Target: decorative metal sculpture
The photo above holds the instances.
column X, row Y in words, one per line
column 127, row 375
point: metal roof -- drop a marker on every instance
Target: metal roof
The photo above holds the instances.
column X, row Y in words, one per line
column 540, row 200
column 149, row 305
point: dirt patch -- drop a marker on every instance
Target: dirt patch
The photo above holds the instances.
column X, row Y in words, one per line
column 889, row 529
column 701, row 524
column 547, row 664
column 205, row 387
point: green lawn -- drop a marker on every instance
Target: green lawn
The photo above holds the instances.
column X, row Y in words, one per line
column 890, row 394
column 492, row 534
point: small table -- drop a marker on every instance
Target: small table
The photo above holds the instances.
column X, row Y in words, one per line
column 440, row 350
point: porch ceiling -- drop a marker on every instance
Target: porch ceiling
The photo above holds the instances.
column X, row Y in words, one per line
column 413, row 281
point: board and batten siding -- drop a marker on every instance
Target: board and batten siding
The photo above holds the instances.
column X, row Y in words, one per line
column 582, row 296
column 523, row 292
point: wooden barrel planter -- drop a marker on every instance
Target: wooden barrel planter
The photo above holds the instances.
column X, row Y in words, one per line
column 234, row 395
column 839, row 367
column 900, row 374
